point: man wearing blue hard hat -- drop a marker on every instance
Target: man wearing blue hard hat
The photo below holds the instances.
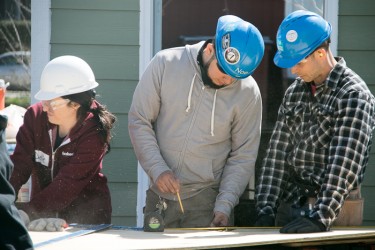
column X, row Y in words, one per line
column 195, row 124
column 311, row 174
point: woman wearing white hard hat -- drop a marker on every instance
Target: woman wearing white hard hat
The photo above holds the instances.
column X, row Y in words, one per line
column 61, row 146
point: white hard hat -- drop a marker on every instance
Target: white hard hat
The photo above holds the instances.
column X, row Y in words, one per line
column 65, row 75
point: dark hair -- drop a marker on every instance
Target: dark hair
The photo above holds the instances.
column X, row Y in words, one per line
column 324, row 45
column 105, row 117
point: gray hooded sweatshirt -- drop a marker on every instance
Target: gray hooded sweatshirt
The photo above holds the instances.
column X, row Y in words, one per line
column 208, row 138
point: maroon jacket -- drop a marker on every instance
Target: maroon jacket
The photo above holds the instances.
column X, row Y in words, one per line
column 67, row 183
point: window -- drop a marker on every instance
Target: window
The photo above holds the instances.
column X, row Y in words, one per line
column 316, row 6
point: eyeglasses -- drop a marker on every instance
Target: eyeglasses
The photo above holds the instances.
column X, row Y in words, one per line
column 55, row 104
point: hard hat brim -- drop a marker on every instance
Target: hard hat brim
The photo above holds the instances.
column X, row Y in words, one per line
column 43, row 95
column 285, row 62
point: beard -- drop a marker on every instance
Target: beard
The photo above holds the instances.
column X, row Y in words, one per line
column 207, row 80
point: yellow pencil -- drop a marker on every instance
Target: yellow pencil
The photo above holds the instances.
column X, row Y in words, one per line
column 179, row 200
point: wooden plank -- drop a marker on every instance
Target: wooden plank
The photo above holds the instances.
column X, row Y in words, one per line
column 369, row 177
column 120, row 205
column 356, row 33
column 96, row 4
column 363, row 7
column 120, row 133
column 360, row 62
column 369, row 240
column 369, row 202
column 204, row 239
column 95, row 27
column 121, row 166
column 117, row 95
column 124, row 220
column 107, row 62
column 81, row 232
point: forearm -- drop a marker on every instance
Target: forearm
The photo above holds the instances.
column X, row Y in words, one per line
column 273, row 176
column 238, row 170
column 348, row 155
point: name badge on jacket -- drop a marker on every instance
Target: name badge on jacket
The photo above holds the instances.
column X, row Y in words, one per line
column 41, row 157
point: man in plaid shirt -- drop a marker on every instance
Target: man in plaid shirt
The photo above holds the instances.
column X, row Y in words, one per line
column 320, row 144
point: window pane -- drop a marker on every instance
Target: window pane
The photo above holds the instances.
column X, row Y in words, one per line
column 311, row 5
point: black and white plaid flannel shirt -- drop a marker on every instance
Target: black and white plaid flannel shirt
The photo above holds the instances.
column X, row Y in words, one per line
column 324, row 138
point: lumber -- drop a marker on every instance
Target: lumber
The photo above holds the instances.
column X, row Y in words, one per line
column 208, row 238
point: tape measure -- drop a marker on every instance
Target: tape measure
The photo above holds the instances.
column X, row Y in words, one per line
column 153, row 222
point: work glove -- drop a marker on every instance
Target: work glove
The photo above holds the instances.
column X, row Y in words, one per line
column 220, row 220
column 303, row 225
column 25, row 218
column 48, row 224
column 265, row 220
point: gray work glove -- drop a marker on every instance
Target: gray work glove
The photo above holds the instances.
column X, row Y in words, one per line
column 25, row 218
column 265, row 220
column 48, row 224
column 303, row 225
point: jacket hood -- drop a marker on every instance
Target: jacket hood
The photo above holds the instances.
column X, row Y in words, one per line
column 192, row 51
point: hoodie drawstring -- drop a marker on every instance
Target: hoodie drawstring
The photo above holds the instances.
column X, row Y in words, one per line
column 190, row 92
column 213, row 115
column 213, row 105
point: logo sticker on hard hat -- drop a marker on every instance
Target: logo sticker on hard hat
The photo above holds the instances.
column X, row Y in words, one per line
column 291, row 36
column 280, row 46
column 231, row 55
column 225, row 41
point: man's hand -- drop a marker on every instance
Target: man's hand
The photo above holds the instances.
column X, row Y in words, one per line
column 48, row 224
column 168, row 183
column 265, row 220
column 303, row 225
column 220, row 220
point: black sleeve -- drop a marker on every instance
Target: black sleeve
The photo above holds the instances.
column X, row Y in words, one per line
column 13, row 233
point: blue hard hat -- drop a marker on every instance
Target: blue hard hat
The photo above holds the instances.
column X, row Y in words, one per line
column 239, row 46
column 299, row 34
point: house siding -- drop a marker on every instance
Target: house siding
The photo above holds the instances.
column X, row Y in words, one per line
column 356, row 36
column 106, row 35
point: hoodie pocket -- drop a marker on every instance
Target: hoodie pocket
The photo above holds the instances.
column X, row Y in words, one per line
column 196, row 170
column 191, row 169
